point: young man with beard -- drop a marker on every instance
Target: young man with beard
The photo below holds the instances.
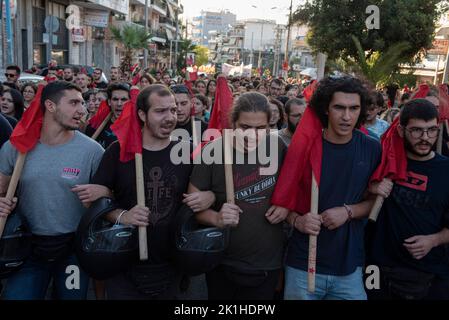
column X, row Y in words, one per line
column 184, row 103
column 253, row 260
column 12, row 75
column 294, row 109
column 62, row 158
column 349, row 158
column 164, row 183
column 68, row 74
column 98, row 83
column 114, row 75
column 82, row 81
column 411, row 234
column 276, row 90
column 118, row 95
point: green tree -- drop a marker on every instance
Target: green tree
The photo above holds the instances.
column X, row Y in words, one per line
column 332, row 23
column 132, row 38
column 201, row 55
column 185, row 47
column 379, row 67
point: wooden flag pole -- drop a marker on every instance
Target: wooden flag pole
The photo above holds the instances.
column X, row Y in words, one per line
column 13, row 184
column 230, row 197
column 311, row 269
column 143, row 247
column 374, row 213
column 194, row 133
column 102, row 126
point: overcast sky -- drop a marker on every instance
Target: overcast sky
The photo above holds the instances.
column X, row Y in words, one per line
column 243, row 8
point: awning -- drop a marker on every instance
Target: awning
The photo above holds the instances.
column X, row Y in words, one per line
column 160, row 40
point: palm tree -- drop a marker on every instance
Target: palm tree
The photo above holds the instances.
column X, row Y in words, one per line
column 132, row 38
column 379, row 67
column 185, row 47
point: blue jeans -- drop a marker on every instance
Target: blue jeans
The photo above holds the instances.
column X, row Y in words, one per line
column 31, row 282
column 327, row 287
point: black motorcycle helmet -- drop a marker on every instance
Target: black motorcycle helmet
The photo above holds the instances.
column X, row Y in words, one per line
column 15, row 245
column 104, row 249
column 198, row 249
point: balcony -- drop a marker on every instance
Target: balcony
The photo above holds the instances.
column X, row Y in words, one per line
column 167, row 23
column 159, row 35
column 160, row 6
column 236, row 34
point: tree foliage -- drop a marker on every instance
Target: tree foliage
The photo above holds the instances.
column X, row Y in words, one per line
column 201, row 55
column 132, row 38
column 333, row 23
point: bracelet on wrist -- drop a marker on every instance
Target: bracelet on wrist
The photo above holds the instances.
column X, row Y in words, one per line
column 119, row 217
column 348, row 211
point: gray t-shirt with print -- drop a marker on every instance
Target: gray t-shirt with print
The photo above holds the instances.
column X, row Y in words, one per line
column 44, row 193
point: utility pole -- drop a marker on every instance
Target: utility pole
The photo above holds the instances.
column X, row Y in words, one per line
column 251, row 57
column 287, row 43
column 145, row 50
column 259, row 62
column 176, row 42
column 10, row 50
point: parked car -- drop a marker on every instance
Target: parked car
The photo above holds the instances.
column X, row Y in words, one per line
column 24, row 77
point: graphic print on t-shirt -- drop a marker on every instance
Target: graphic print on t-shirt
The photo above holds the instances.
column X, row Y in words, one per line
column 250, row 188
column 412, row 192
column 160, row 192
column 415, row 181
column 70, row 173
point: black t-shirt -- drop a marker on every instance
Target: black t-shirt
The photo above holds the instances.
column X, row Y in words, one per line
column 101, row 85
column 106, row 137
column 5, row 130
column 11, row 120
column 345, row 173
column 282, row 99
column 164, row 185
column 254, row 244
column 188, row 127
column 418, row 206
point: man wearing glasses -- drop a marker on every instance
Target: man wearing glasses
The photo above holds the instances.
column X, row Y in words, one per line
column 410, row 239
column 276, row 90
column 99, row 84
column 118, row 95
column 294, row 109
column 12, row 74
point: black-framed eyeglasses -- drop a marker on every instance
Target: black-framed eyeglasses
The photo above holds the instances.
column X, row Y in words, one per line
column 9, row 75
column 417, row 133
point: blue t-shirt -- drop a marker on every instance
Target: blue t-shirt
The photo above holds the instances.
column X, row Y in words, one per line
column 345, row 173
column 378, row 129
column 418, row 206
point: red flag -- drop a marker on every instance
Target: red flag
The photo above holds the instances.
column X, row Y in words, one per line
column 136, row 79
column 219, row 118
column 309, row 90
column 443, row 102
column 193, row 76
column 28, row 130
column 50, row 78
column 393, row 164
column 304, row 155
column 127, row 129
column 102, row 112
column 422, row 91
